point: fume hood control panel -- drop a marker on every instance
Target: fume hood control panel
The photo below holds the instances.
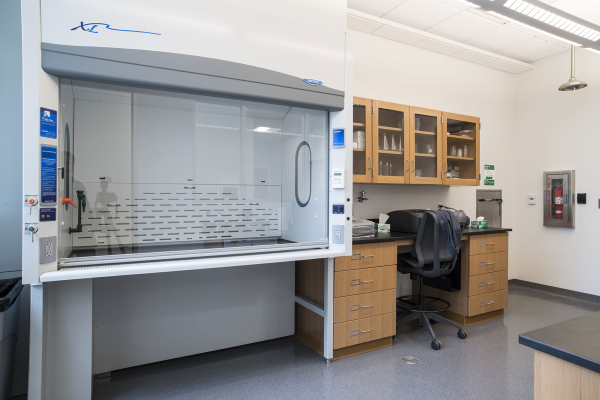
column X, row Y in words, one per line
column 338, row 177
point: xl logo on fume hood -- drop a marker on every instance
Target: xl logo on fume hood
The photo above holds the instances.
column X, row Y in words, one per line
column 91, row 28
column 312, row 81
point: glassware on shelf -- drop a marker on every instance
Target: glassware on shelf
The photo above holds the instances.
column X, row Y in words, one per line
column 466, row 151
column 429, row 149
column 360, row 139
column 380, row 167
column 418, row 172
column 390, row 171
column 394, row 147
column 417, row 124
column 459, row 153
column 401, row 143
column 453, row 151
column 386, row 145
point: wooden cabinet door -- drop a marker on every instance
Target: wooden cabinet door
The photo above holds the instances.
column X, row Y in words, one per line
column 460, row 149
column 390, row 142
column 425, row 146
column 362, row 141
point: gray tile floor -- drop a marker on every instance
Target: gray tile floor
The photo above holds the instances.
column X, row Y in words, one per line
column 489, row 364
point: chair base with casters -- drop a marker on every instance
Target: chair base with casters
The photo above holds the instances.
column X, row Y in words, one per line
column 426, row 313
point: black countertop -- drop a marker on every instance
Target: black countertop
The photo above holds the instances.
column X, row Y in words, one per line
column 393, row 236
column 575, row 341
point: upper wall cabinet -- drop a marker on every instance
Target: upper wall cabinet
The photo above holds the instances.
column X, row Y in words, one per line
column 461, row 149
column 390, row 142
column 398, row 144
column 425, row 146
column 362, row 141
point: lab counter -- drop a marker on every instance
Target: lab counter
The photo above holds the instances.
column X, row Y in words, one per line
column 394, row 236
column 566, row 359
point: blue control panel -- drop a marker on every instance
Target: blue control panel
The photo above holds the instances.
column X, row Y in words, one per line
column 47, row 214
column 338, row 208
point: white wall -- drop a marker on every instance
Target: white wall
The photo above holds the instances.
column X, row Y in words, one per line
column 556, row 131
column 391, row 71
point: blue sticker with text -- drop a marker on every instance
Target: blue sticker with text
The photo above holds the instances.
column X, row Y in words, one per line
column 48, row 123
column 48, row 192
column 47, row 214
column 338, row 137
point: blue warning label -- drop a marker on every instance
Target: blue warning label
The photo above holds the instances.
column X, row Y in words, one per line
column 48, row 162
column 48, row 122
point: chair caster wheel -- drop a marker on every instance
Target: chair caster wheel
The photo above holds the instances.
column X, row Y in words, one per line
column 462, row 334
column 436, row 345
column 433, row 321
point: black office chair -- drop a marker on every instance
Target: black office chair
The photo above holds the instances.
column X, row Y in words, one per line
column 430, row 258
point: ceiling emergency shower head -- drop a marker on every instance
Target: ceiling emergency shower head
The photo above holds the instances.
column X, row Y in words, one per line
column 572, row 84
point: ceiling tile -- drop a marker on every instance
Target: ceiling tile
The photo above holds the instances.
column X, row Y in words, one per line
column 374, row 7
column 439, row 47
column 421, row 14
column 463, row 5
column 528, row 30
column 507, row 67
column 531, row 50
column 398, row 35
column 361, row 24
column 594, row 19
column 498, row 38
column 579, row 8
column 462, row 26
column 473, row 57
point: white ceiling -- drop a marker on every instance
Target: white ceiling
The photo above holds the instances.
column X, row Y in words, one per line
column 459, row 21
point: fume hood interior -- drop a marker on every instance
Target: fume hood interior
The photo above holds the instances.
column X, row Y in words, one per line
column 161, row 175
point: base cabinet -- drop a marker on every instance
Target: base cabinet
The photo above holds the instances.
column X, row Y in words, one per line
column 484, row 281
column 364, row 304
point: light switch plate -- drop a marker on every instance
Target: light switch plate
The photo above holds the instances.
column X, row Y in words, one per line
column 531, row 199
column 337, row 232
column 47, row 249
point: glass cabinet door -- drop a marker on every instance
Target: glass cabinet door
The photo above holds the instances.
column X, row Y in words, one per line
column 390, row 140
column 425, row 147
column 461, row 149
column 361, row 141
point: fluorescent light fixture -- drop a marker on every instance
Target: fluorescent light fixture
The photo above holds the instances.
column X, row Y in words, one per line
column 469, row 3
column 533, row 11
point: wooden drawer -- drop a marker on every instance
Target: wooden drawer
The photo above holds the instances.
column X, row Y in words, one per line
column 485, row 244
column 368, row 256
column 487, row 302
column 363, row 330
column 365, row 305
column 485, row 283
column 486, row 263
column 358, row 281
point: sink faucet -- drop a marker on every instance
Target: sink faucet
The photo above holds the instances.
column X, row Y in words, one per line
column 362, row 197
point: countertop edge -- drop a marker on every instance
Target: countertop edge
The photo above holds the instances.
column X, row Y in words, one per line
column 561, row 354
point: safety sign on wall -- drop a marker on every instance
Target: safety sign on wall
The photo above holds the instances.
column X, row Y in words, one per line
column 489, row 175
column 48, row 123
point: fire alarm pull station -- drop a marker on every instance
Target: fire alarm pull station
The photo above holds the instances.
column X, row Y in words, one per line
column 559, row 197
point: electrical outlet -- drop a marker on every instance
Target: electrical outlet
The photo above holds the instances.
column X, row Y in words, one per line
column 338, row 234
column 47, row 249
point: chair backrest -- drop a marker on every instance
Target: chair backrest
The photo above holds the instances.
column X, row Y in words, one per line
column 431, row 247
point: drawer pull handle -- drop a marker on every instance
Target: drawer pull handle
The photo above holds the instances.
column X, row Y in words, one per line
column 484, row 244
column 355, row 280
column 491, row 283
column 372, row 280
column 370, row 330
column 367, row 306
column 355, row 259
column 355, row 332
column 352, row 307
column 372, row 255
column 483, row 263
column 483, row 303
